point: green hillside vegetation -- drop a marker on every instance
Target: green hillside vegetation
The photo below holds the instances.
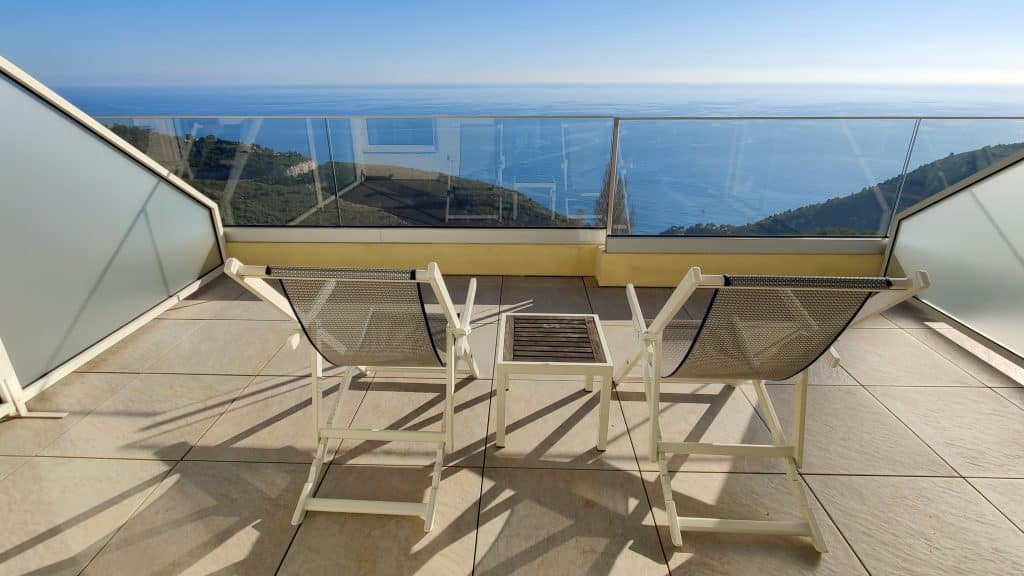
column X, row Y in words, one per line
column 276, row 188
column 860, row 213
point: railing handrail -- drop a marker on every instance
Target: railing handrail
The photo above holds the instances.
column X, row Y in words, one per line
column 558, row 117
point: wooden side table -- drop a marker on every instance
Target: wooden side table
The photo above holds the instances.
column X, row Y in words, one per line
column 553, row 344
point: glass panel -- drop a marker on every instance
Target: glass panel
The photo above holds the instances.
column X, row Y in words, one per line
column 261, row 171
column 477, row 172
column 972, row 246
column 88, row 237
column 759, row 177
column 947, row 151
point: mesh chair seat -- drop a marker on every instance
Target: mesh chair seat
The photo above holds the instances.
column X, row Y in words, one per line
column 769, row 327
column 364, row 317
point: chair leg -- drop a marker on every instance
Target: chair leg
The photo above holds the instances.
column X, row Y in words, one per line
column 670, row 505
column 501, row 384
column 779, row 449
column 603, row 411
column 435, row 480
column 315, row 470
column 449, row 395
column 652, row 389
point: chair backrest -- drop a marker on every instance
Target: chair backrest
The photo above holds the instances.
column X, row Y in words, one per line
column 367, row 317
column 771, row 327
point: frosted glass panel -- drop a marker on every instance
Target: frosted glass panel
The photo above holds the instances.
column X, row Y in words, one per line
column 89, row 239
column 971, row 244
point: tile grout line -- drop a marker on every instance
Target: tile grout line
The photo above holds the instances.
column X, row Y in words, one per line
column 954, row 361
column 944, row 461
column 814, row 494
column 134, row 512
column 487, row 428
column 234, row 398
column 828, row 514
column 323, row 477
column 636, row 457
column 177, row 462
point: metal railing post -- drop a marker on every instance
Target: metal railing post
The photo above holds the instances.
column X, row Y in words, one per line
column 334, row 169
column 903, row 180
column 613, row 177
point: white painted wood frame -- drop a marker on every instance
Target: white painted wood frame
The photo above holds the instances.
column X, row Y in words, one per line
column 649, row 353
column 457, row 351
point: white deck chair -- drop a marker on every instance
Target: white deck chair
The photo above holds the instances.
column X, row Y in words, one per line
column 366, row 319
column 756, row 328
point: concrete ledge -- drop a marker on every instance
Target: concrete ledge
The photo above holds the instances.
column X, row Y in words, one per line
column 726, row 245
column 395, row 235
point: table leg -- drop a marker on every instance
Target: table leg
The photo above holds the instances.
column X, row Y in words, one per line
column 605, row 405
column 501, row 382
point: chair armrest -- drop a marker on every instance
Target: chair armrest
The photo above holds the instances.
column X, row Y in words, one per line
column 250, row 278
column 634, row 308
column 467, row 309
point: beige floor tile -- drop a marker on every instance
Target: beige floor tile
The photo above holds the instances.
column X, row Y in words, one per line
column 895, row 358
column 248, row 306
column 610, row 303
column 1005, row 494
column 374, row 544
column 745, row 496
column 296, row 362
column 622, row 342
column 288, row 362
column 1015, row 395
column 876, row 321
column 566, row 522
column 544, row 294
column 850, row 432
column 823, row 374
column 487, row 304
column 207, row 302
column 483, row 340
column 156, row 416
column 78, row 394
column 697, row 413
column 143, row 346
column 9, row 464
column 553, row 424
column 59, row 512
column 418, row 404
column 973, row 357
column 209, row 518
column 225, row 347
column 974, row 429
column 271, row 421
column 910, row 315
column 921, row 526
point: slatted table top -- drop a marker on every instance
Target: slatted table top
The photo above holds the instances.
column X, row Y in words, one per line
column 573, row 338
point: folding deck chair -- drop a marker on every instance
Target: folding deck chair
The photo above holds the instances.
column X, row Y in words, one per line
column 365, row 319
column 756, row 328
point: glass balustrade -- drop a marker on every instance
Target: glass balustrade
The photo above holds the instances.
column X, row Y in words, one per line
column 762, row 177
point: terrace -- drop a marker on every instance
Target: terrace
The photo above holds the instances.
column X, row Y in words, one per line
column 188, row 436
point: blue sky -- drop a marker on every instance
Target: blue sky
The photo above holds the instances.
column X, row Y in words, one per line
column 187, row 42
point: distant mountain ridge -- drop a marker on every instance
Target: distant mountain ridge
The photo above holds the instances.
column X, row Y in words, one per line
column 859, row 213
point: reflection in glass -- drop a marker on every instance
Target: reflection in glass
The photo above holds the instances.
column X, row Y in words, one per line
column 947, row 151
column 759, row 177
column 476, row 172
column 260, row 171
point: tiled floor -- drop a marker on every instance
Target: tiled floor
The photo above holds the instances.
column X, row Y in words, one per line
column 187, row 444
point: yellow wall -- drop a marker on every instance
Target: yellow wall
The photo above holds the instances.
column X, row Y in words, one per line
column 550, row 260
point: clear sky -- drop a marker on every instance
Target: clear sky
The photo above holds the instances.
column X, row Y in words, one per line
column 210, row 42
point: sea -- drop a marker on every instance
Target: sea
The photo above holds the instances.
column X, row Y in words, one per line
column 712, row 167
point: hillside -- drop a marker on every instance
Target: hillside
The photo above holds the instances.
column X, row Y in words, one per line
column 859, row 213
